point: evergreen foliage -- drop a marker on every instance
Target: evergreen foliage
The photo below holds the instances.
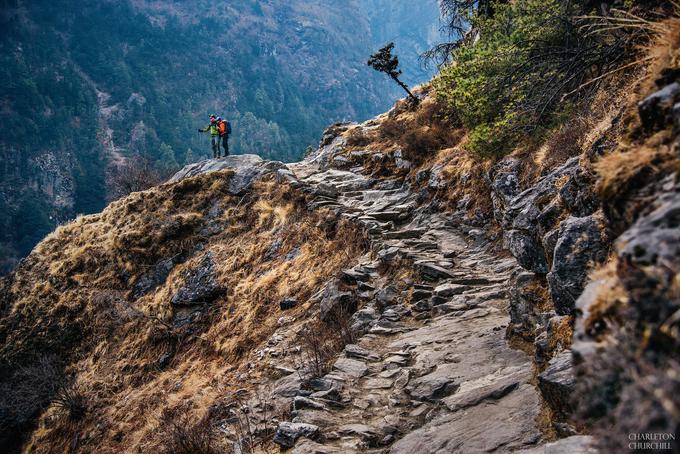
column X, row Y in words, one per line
column 531, row 61
column 385, row 62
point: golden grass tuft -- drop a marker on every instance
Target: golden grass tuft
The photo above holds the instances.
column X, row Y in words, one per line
column 75, row 296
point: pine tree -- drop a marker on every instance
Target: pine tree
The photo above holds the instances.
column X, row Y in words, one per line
column 384, row 62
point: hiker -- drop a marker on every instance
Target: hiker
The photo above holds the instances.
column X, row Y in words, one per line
column 214, row 135
column 224, row 128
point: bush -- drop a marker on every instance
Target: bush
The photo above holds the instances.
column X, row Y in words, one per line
column 531, row 57
column 429, row 130
column 26, row 393
column 322, row 341
column 138, row 173
column 71, row 400
column 183, row 435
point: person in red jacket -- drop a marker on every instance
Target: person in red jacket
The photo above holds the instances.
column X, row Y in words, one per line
column 224, row 128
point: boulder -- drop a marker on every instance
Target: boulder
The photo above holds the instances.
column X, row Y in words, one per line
column 577, row 444
column 527, row 250
column 288, row 303
column 656, row 109
column 557, row 383
column 524, row 304
column 580, row 245
column 200, row 285
column 334, row 300
column 288, row 433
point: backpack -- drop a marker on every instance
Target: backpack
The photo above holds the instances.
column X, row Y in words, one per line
column 224, row 127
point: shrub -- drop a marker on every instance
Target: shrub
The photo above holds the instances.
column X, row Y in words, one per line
column 183, row 435
column 26, row 393
column 135, row 174
column 428, row 130
column 322, row 341
column 530, row 57
column 71, row 400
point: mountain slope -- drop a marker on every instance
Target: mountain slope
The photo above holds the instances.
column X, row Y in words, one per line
column 85, row 84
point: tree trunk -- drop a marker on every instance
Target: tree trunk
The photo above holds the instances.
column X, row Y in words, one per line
column 403, row 85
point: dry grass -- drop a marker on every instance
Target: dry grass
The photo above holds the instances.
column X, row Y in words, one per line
column 421, row 133
column 75, row 300
column 561, row 333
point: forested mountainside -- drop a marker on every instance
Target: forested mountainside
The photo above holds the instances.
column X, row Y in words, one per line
column 86, row 84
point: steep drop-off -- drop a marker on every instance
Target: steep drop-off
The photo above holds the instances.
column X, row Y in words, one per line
column 85, row 84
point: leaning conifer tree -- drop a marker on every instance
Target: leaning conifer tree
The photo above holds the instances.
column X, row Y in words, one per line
column 385, row 62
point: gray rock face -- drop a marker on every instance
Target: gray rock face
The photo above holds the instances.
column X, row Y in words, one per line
column 527, row 250
column 529, row 217
column 577, row 444
column 580, row 245
column 288, row 433
column 247, row 169
column 653, row 239
column 482, row 428
column 557, row 383
column 505, row 183
column 656, row 110
column 334, row 300
column 524, row 313
column 200, row 286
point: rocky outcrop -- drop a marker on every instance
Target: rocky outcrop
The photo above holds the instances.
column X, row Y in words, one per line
column 557, row 383
column 246, row 168
column 199, row 285
column 530, row 217
column 580, row 245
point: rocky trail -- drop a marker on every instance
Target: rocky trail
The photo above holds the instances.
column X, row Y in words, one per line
column 431, row 370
